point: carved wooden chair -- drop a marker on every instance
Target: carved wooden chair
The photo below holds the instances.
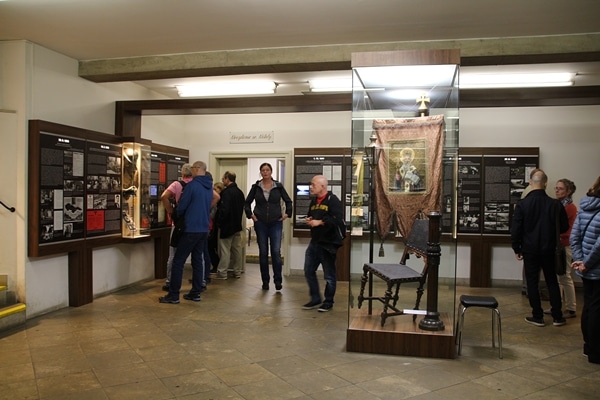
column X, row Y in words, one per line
column 396, row 274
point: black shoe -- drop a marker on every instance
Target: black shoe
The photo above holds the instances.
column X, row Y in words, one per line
column 535, row 321
column 265, row 286
column 166, row 288
column 278, row 286
column 192, row 297
column 208, row 280
column 325, row 307
column 168, row 300
column 559, row 322
column 311, row 304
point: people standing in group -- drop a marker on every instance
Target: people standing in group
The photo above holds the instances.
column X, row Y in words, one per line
column 563, row 191
column 268, row 196
column 169, row 198
column 194, row 207
column 230, row 210
column 533, row 236
column 213, row 236
column 325, row 218
column 585, row 244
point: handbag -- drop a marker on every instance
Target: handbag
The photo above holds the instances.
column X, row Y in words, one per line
column 560, row 254
column 560, row 260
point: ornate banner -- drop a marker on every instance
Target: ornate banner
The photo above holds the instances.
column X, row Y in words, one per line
column 409, row 173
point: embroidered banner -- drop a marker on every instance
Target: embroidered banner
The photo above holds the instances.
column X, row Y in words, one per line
column 409, row 173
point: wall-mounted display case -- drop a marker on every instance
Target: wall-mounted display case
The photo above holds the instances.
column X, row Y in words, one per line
column 135, row 195
column 405, row 120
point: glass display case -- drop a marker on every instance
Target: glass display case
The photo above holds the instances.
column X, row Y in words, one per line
column 135, row 193
column 405, row 120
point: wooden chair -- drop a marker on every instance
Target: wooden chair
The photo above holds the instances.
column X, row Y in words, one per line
column 396, row 274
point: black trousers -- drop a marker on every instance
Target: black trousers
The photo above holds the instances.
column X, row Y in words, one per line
column 590, row 319
column 533, row 264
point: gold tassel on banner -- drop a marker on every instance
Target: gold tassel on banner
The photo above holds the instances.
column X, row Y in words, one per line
column 381, row 251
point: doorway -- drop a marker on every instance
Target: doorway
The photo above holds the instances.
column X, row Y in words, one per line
column 238, row 162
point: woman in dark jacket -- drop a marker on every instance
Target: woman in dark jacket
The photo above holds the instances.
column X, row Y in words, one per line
column 268, row 219
column 585, row 244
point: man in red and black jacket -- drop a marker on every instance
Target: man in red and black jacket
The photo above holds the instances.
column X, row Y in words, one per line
column 326, row 220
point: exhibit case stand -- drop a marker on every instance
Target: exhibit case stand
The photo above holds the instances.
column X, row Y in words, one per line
column 405, row 119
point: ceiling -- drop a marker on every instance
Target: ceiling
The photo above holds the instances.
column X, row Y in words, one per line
column 109, row 29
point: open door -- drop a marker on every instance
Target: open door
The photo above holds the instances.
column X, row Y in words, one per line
column 238, row 163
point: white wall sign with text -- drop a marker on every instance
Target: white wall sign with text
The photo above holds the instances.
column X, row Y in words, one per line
column 251, row 137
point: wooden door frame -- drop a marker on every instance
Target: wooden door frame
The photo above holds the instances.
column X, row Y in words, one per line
column 287, row 156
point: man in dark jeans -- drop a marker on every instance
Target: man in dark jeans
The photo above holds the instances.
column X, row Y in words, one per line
column 194, row 207
column 533, row 236
column 325, row 217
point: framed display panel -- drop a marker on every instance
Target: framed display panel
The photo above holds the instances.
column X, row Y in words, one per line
column 73, row 187
column 405, row 121
column 165, row 168
column 335, row 164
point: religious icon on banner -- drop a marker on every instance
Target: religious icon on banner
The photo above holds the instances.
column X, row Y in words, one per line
column 407, row 168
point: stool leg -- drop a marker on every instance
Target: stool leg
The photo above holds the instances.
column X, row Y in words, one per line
column 497, row 312
column 461, row 320
column 493, row 329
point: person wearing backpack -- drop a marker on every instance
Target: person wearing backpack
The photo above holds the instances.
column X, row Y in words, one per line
column 194, row 206
column 327, row 230
column 170, row 197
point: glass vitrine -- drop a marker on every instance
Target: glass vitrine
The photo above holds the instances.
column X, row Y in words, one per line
column 405, row 121
column 135, row 193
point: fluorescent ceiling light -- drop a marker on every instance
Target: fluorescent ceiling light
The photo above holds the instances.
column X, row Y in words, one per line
column 331, row 85
column 515, row 80
column 227, row 88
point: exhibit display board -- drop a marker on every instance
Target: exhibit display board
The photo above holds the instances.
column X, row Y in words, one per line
column 165, row 168
column 87, row 185
column 335, row 164
column 490, row 182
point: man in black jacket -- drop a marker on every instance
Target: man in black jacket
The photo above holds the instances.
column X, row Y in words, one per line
column 229, row 222
column 325, row 218
column 536, row 220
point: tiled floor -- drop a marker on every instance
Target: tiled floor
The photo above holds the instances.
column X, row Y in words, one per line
column 240, row 342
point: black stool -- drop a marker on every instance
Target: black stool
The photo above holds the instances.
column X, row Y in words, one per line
column 490, row 302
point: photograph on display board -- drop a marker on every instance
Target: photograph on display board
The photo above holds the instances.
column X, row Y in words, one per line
column 407, row 166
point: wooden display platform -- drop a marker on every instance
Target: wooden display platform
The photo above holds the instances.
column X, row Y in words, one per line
column 400, row 336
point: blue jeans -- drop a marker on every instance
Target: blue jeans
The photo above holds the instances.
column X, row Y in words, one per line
column 265, row 233
column 190, row 243
column 314, row 256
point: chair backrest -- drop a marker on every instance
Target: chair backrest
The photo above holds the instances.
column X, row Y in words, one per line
column 417, row 242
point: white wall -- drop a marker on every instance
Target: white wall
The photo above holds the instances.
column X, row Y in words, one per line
column 41, row 84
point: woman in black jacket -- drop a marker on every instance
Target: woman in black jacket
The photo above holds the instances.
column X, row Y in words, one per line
column 267, row 194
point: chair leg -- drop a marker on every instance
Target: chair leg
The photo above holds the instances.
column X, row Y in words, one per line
column 363, row 282
column 386, row 302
